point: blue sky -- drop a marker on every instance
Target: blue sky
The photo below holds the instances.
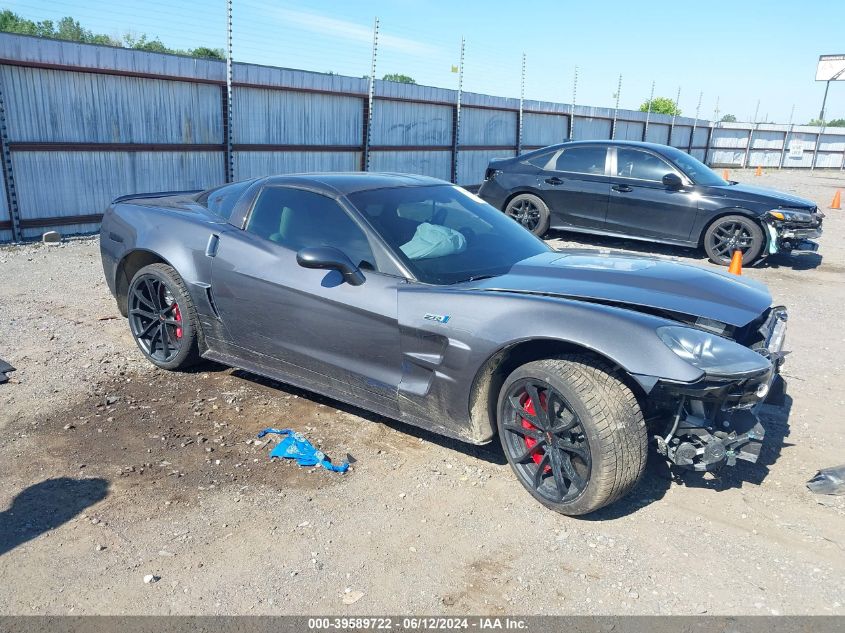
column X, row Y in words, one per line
column 740, row 52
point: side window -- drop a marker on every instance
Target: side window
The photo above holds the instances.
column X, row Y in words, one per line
column 542, row 160
column 582, row 160
column 221, row 201
column 298, row 219
column 631, row 163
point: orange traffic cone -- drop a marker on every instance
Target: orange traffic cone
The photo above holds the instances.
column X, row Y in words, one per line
column 736, row 263
column 837, row 199
column 759, row 171
column 725, row 174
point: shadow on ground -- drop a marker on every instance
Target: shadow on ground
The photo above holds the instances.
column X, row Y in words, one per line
column 45, row 506
column 805, row 261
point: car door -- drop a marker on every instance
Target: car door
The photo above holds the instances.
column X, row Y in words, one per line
column 576, row 188
column 309, row 323
column 640, row 204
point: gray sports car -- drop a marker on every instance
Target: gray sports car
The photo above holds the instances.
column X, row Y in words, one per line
column 413, row 298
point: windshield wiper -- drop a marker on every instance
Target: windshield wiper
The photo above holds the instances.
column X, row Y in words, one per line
column 475, row 278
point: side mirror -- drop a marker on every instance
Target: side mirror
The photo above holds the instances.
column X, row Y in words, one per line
column 673, row 181
column 329, row 258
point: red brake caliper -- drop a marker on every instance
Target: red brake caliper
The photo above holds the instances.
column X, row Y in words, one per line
column 177, row 316
column 530, row 442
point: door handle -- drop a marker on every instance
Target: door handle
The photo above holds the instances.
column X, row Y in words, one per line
column 554, row 180
column 622, row 188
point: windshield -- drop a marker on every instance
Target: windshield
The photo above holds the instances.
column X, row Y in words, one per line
column 445, row 234
column 698, row 172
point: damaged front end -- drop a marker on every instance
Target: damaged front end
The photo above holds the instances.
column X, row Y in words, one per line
column 793, row 230
column 713, row 422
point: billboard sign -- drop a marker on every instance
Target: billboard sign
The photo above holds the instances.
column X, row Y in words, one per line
column 831, row 68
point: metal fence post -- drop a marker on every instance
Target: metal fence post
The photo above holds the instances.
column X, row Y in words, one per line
column 227, row 120
column 748, row 145
column 616, row 109
column 456, row 116
column 648, row 113
column 8, row 176
column 784, row 146
column 709, row 142
column 674, row 114
column 695, row 123
column 368, row 104
column 521, row 108
column 572, row 107
column 816, row 147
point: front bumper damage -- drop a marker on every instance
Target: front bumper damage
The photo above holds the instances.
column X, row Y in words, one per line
column 716, row 419
column 793, row 237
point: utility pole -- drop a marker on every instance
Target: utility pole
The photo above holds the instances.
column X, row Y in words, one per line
column 371, row 91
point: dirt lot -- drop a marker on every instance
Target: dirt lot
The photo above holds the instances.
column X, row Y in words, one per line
column 112, row 470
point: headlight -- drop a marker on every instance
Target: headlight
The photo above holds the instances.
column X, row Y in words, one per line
column 791, row 216
column 713, row 355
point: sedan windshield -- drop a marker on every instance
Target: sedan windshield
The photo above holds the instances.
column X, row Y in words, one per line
column 698, row 172
column 445, row 234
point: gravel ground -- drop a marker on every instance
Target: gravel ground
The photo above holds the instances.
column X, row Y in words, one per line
column 114, row 471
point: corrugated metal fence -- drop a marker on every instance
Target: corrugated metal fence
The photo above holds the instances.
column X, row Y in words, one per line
column 83, row 124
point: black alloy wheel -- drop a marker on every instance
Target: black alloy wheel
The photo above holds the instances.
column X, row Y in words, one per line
column 155, row 318
column 730, row 234
column 545, row 441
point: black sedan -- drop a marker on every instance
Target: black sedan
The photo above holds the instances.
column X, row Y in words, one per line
column 412, row 298
column 649, row 192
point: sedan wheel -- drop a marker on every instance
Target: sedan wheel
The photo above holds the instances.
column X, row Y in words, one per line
column 733, row 233
column 162, row 317
column 531, row 212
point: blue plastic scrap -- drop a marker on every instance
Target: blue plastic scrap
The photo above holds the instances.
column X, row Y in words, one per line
column 295, row 446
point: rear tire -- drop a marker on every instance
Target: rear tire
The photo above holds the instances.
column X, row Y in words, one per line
column 733, row 232
column 162, row 318
column 530, row 211
column 596, row 429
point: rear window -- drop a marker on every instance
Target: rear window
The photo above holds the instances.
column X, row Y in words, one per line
column 221, row 200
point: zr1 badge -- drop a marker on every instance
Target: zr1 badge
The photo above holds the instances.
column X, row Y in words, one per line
column 440, row 318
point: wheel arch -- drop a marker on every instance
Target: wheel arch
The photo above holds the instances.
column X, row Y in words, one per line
column 490, row 377
column 721, row 213
column 519, row 192
column 127, row 267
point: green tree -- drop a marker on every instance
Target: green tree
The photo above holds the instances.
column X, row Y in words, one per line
column 72, row 31
column 832, row 123
column 398, row 77
column 728, row 118
column 208, row 53
column 661, row 105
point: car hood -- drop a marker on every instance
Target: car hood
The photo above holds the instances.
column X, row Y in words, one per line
column 636, row 281
column 761, row 195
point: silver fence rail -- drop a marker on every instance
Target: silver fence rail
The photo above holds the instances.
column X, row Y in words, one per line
column 82, row 124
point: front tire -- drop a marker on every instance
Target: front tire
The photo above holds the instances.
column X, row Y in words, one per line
column 730, row 233
column 162, row 318
column 530, row 211
column 572, row 432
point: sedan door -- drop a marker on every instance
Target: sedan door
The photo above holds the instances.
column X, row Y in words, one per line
column 641, row 205
column 576, row 188
column 309, row 323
